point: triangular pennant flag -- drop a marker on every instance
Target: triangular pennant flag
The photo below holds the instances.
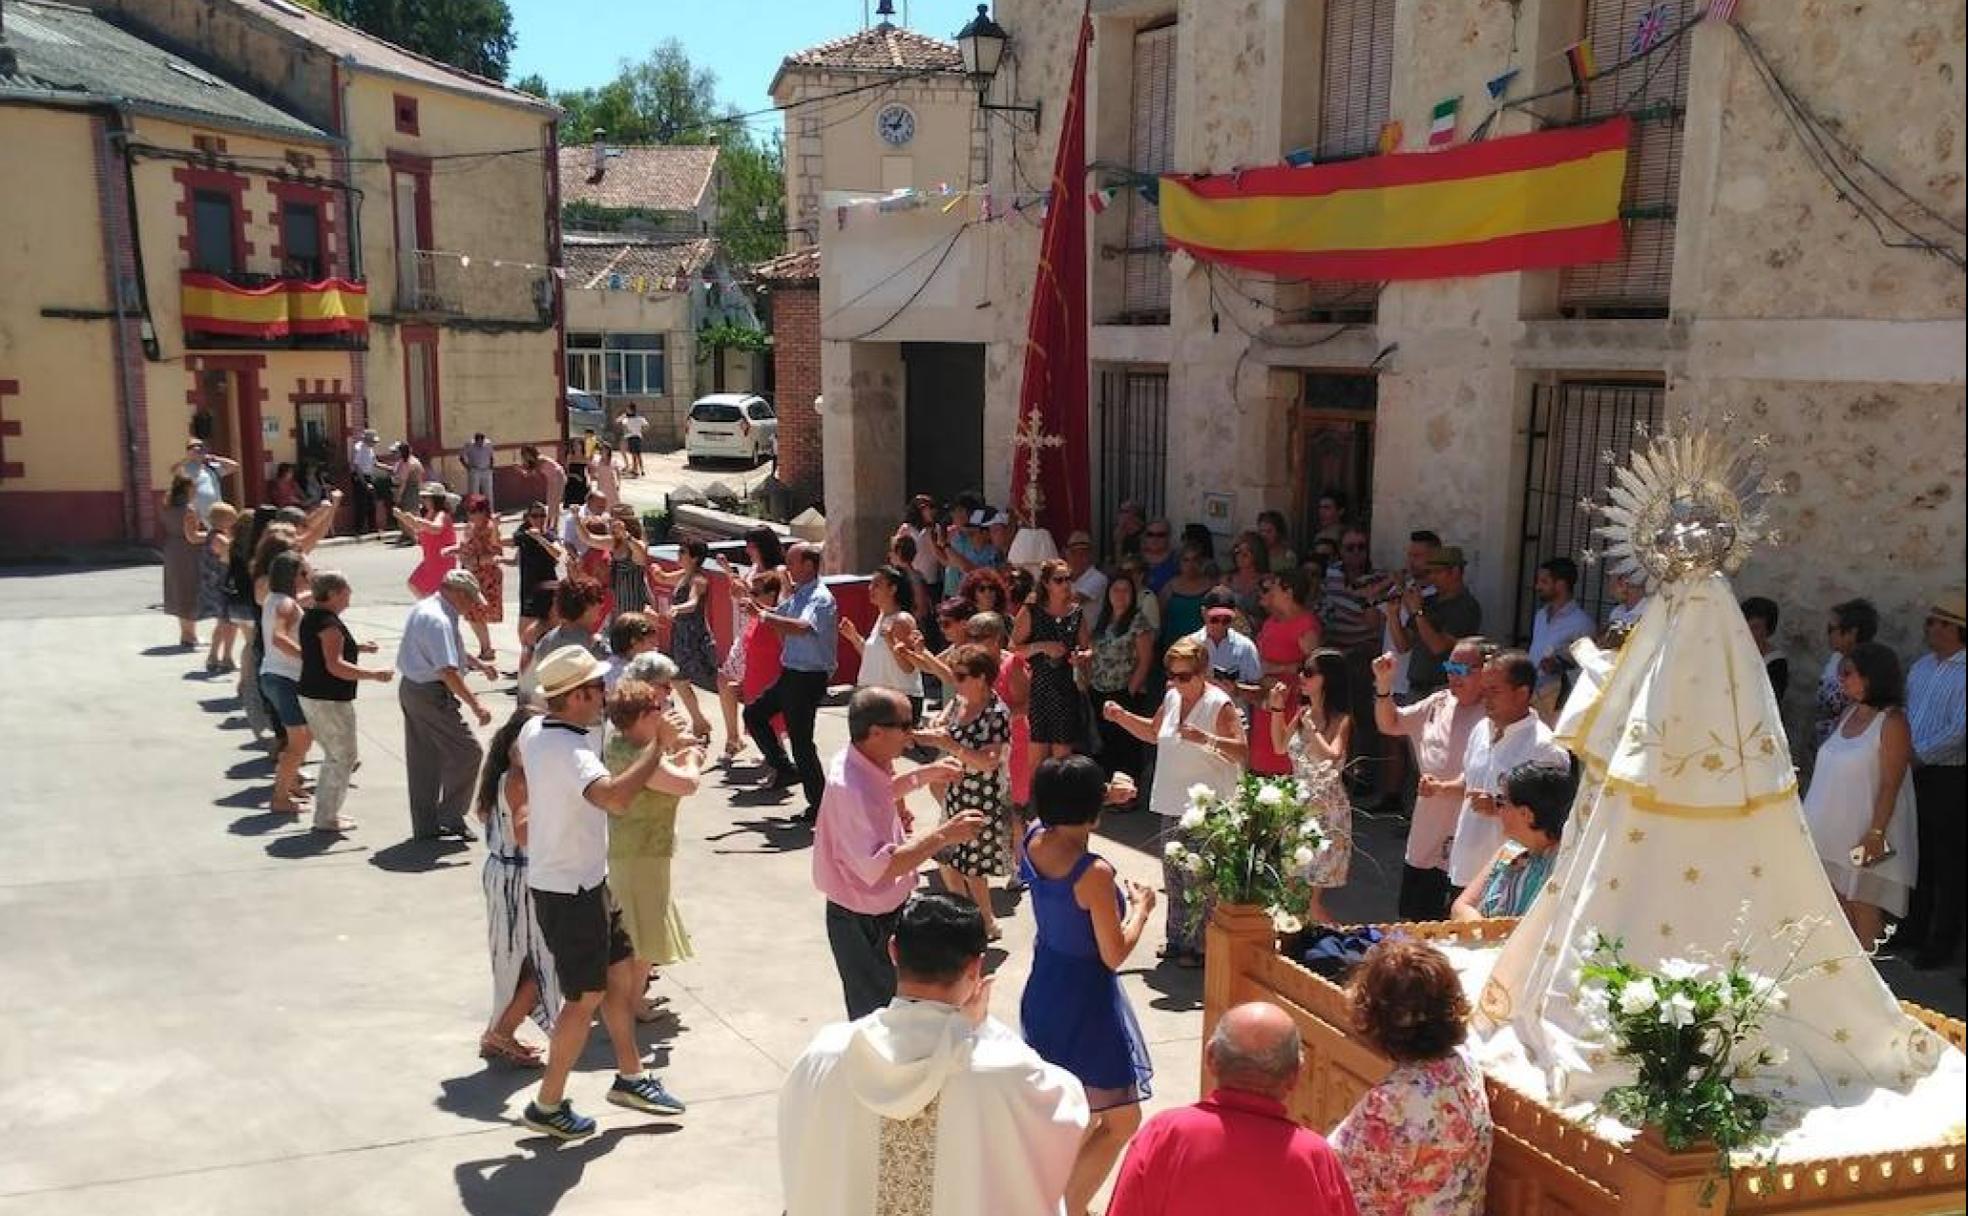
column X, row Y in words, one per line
column 1391, row 134
column 1648, row 31
column 1298, row 158
column 1150, row 191
column 637, row 284
column 1442, row 122
column 1101, row 199
column 1584, row 65
column 1500, row 84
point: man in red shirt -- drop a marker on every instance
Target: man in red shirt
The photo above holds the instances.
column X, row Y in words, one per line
column 1236, row 1150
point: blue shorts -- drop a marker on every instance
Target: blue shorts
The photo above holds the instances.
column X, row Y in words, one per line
column 284, row 694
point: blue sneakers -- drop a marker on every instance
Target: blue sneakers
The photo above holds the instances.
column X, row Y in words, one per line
column 561, row 1122
column 644, row 1093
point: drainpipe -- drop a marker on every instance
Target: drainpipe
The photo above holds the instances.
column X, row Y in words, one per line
column 114, row 136
column 556, row 282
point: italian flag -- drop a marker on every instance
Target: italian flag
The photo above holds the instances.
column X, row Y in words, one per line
column 1442, row 123
column 1102, row 199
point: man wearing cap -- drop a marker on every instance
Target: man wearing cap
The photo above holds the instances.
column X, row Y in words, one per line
column 1430, row 628
column 570, row 797
column 478, row 457
column 439, row 750
column 1936, row 715
column 1234, row 663
column 362, row 480
column 1088, row 582
column 808, row 625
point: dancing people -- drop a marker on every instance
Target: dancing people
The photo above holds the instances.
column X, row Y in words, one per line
column 523, row 979
column 976, row 729
column 1050, row 628
column 642, row 839
column 1314, row 733
column 327, row 687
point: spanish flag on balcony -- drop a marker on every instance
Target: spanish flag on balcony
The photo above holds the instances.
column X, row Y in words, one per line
column 275, row 313
column 1522, row 202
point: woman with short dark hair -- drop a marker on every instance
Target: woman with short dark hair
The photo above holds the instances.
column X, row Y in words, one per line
column 1761, row 614
column 1073, row 1011
column 1535, row 803
column 976, row 728
column 1418, row 1142
column 1860, row 804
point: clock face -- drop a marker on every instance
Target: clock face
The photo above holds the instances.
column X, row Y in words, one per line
column 895, row 124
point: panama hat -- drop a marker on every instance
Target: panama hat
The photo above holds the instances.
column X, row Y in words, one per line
column 1952, row 607
column 567, row 669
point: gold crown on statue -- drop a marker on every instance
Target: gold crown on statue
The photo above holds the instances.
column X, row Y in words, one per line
column 1689, row 502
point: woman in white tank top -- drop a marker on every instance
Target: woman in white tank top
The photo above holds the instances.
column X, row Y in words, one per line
column 1860, row 804
column 880, row 668
column 1199, row 740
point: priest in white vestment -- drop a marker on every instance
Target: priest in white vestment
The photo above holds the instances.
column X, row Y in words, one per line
column 929, row 1107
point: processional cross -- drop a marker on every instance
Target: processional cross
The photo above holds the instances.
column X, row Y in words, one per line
column 1031, row 436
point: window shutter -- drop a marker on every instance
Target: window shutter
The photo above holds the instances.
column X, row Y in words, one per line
column 1356, row 68
column 1655, row 90
column 1146, row 292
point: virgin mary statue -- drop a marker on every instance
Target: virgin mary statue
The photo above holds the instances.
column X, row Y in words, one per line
column 1688, row 840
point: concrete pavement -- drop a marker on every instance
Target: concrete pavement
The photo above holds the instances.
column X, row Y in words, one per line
column 208, row 1009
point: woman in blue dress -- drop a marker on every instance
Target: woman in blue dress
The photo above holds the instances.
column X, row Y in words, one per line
column 1074, row 1013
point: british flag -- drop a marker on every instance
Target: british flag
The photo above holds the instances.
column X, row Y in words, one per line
column 1649, row 32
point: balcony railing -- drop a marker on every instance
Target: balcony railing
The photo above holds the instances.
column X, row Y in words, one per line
column 442, row 284
column 236, row 310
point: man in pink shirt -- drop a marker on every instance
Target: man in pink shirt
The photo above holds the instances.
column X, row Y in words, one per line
column 1236, row 1150
column 1438, row 725
column 863, row 860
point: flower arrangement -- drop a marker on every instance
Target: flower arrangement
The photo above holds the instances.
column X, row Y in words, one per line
column 1688, row 1028
column 1256, row 845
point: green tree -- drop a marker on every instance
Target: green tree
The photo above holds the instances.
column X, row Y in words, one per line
column 663, row 99
column 535, row 84
column 475, row 35
column 752, row 197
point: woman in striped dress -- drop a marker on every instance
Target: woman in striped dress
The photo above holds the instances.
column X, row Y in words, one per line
column 523, row 983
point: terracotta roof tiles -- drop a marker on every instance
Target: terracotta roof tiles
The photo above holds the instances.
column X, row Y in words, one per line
column 880, row 48
column 590, row 260
column 658, row 179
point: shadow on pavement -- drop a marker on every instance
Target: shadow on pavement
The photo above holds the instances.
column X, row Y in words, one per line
column 258, row 766
column 779, row 835
column 261, row 823
column 485, row 1094
column 1140, row 830
column 1177, row 989
column 310, row 843
column 159, row 652
column 421, row 856
column 220, row 705
column 533, row 1180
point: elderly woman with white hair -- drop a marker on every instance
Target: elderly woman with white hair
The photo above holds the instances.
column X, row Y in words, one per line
column 642, row 840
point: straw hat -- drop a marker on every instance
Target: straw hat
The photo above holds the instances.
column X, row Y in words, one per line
column 1952, row 607
column 567, row 669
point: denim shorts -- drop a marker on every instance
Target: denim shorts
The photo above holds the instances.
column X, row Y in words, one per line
column 284, row 694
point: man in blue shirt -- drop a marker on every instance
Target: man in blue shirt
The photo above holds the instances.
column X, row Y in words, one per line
column 439, row 749
column 807, row 623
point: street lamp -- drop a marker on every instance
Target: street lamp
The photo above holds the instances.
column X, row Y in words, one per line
column 982, row 44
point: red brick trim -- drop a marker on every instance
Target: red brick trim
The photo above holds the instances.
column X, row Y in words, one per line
column 193, row 179
column 404, row 107
column 322, row 199
column 252, row 399
column 423, row 335
column 9, row 429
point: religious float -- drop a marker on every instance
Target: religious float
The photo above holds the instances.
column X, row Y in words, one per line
column 1687, row 842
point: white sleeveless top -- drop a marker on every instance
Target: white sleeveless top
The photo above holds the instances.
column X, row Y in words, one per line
column 1180, row 764
column 275, row 661
column 1838, row 807
column 879, row 668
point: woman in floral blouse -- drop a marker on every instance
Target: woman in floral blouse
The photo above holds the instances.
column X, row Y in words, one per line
column 1418, row 1143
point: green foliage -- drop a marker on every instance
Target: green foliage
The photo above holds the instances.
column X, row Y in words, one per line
column 752, row 198
column 728, row 335
column 475, row 35
column 535, row 84
column 1256, row 846
column 1685, row 1027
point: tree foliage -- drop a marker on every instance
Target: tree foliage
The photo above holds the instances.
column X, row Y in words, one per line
column 475, row 35
column 666, row 99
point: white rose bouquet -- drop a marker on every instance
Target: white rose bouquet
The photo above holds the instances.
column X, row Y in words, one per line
column 1691, row 1030
column 1254, row 846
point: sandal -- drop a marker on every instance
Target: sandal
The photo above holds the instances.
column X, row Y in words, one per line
column 508, row 1051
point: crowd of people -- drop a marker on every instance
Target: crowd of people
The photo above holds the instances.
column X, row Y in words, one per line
column 1031, row 701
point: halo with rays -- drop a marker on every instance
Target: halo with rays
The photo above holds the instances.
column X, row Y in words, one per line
column 1691, row 502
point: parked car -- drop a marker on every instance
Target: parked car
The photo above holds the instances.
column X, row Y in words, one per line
column 585, row 412
column 731, row 426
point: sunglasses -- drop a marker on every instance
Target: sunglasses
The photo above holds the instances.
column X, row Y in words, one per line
column 1454, row 668
column 1060, row 578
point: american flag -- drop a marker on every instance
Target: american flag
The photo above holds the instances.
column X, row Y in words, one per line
column 1723, row 11
column 1648, row 33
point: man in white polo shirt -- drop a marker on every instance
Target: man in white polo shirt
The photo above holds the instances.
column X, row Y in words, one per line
column 570, row 796
column 1511, row 736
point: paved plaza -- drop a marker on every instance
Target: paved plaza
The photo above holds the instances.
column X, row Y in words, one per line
column 209, row 1009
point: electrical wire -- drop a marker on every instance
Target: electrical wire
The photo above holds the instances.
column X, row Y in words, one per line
column 1816, row 139
column 948, row 246
column 1273, row 340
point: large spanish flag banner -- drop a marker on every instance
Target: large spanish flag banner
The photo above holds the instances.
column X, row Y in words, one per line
column 1523, row 202
column 277, row 311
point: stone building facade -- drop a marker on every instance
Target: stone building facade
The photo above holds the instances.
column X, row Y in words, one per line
column 1478, row 407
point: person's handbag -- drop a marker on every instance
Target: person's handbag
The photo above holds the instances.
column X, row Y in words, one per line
column 1333, row 952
